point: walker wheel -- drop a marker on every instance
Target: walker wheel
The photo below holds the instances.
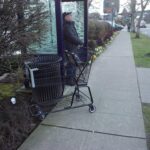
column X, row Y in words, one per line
column 92, row 108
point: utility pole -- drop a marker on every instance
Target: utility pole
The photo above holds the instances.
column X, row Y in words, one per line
column 112, row 5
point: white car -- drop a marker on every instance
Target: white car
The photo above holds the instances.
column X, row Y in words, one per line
column 143, row 24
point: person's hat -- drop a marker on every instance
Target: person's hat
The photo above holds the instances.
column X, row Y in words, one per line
column 66, row 14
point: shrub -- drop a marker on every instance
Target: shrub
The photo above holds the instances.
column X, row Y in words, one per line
column 9, row 64
column 99, row 32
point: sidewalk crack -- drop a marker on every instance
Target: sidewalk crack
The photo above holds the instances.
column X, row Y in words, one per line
column 93, row 132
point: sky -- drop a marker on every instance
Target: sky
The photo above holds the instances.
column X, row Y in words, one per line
column 99, row 5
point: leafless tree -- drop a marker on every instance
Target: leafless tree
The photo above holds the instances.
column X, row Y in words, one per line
column 21, row 24
column 89, row 2
column 143, row 4
column 134, row 6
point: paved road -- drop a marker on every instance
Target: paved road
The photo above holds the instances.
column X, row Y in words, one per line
column 146, row 30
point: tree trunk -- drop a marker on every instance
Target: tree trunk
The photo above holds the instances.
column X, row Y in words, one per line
column 133, row 23
column 139, row 23
column 20, row 15
column 89, row 3
column 133, row 11
column 138, row 33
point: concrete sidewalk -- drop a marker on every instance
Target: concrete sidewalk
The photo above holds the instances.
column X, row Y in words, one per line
column 144, row 82
column 118, row 122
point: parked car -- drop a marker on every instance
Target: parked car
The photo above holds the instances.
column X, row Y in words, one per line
column 143, row 24
column 116, row 27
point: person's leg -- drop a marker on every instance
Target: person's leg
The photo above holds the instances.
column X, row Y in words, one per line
column 70, row 74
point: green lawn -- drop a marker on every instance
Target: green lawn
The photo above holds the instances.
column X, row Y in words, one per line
column 146, row 113
column 7, row 90
column 140, row 48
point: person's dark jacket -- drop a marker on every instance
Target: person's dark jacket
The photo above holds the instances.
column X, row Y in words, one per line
column 71, row 38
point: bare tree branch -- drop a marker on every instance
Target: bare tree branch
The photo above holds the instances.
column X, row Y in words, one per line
column 21, row 24
column 144, row 4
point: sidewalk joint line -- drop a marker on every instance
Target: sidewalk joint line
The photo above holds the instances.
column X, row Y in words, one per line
column 140, row 94
column 116, row 56
column 138, row 83
column 121, row 114
column 94, row 132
